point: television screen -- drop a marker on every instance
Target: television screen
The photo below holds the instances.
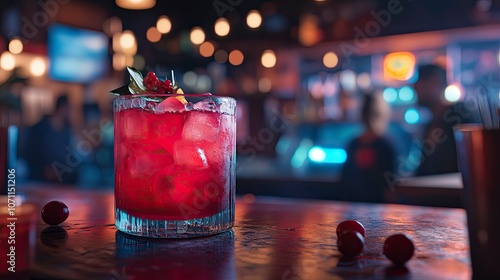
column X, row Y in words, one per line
column 76, row 55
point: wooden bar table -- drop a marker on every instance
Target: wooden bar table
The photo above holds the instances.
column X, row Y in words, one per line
column 273, row 238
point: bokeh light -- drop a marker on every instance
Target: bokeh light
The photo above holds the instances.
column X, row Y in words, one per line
column 222, row 27
column 347, row 79
column 254, row 19
column 309, row 32
column 236, row 57
column 112, row 25
column 189, row 78
column 268, row 59
column 406, row 94
column 115, row 42
column 7, row 61
column 119, row 61
column 139, row 62
column 327, row 155
column 364, row 81
column 203, row 83
column 412, row 116
column 153, row 35
column 452, row 93
column 265, row 84
column 317, row 154
column 38, row 67
column 221, row 56
column 207, row 49
column 390, row 94
column 330, row 60
column 197, row 35
column 163, row 24
column 129, row 60
column 15, row 46
column 127, row 39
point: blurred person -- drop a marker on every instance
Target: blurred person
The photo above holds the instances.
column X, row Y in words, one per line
column 370, row 156
column 438, row 146
column 48, row 142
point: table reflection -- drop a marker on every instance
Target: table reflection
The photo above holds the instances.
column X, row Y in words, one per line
column 209, row 257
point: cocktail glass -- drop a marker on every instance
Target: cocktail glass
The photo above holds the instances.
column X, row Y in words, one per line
column 174, row 164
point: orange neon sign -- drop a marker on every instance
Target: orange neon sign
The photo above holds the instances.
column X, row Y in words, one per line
column 399, row 66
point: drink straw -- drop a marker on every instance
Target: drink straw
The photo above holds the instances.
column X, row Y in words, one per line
column 173, row 78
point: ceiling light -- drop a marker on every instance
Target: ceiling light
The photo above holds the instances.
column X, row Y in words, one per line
column 136, row 4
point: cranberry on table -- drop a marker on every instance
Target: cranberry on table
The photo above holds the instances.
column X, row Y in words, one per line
column 351, row 225
column 350, row 243
column 54, row 213
column 399, row 249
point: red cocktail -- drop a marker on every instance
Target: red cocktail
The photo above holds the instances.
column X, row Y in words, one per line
column 174, row 164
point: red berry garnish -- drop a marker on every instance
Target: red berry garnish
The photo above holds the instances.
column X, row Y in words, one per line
column 151, row 81
column 399, row 249
column 54, row 213
column 167, row 85
column 160, row 90
column 351, row 225
column 350, row 243
column 148, row 83
column 151, row 75
column 150, row 86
